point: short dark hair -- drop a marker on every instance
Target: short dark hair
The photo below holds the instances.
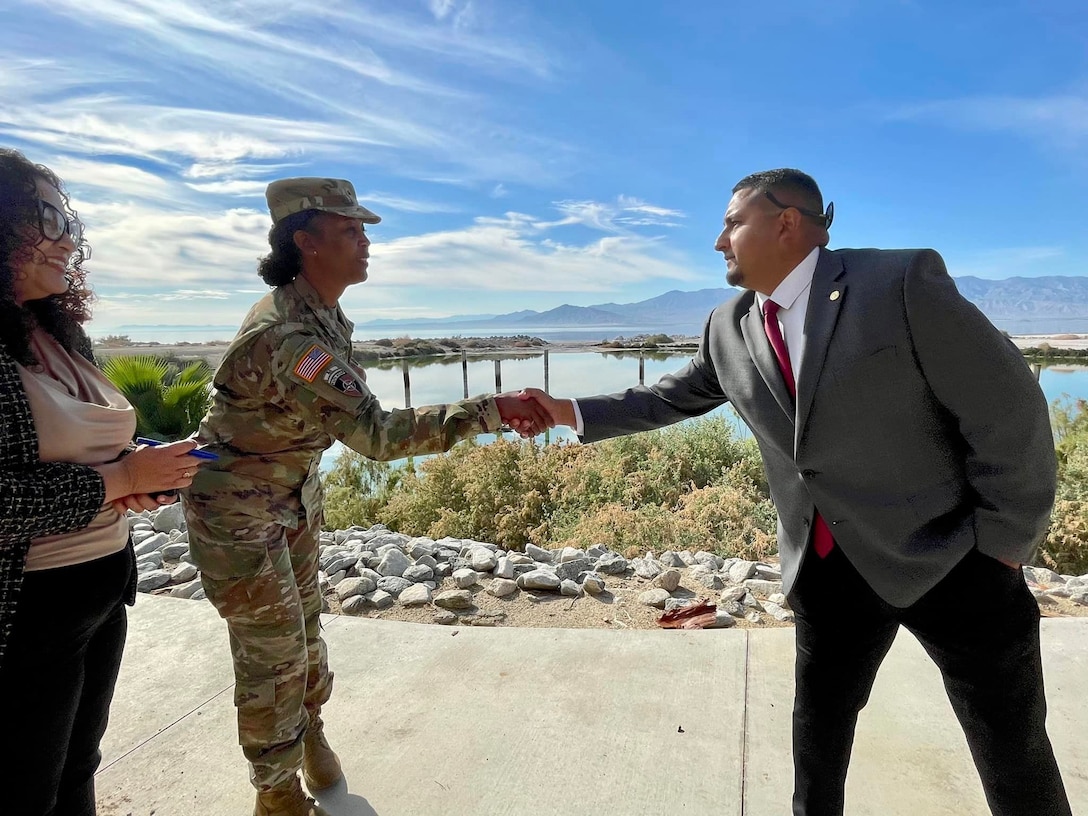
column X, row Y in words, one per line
column 60, row 315
column 801, row 188
column 284, row 263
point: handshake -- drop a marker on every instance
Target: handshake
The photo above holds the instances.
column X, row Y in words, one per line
column 530, row 411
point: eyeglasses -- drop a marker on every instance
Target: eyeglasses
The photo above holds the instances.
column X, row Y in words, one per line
column 824, row 218
column 53, row 224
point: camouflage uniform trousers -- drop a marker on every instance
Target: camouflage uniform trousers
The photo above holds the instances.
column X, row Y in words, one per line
column 262, row 577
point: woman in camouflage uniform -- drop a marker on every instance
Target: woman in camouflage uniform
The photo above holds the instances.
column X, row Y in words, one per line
column 285, row 390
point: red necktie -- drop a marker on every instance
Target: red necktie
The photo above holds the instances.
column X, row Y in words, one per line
column 822, row 541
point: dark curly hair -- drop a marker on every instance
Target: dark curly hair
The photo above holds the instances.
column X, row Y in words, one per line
column 60, row 315
column 284, row 263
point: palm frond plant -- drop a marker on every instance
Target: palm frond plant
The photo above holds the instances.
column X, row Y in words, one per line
column 169, row 400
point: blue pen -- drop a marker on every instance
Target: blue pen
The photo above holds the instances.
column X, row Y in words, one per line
column 199, row 454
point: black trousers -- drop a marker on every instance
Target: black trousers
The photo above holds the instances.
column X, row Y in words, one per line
column 58, row 680
column 981, row 627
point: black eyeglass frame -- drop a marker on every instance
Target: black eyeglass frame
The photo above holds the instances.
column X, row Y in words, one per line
column 824, row 218
column 72, row 227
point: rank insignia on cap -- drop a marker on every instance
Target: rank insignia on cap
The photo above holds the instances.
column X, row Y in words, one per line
column 312, row 362
column 343, row 381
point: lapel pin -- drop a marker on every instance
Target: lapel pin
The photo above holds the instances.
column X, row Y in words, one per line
column 834, row 295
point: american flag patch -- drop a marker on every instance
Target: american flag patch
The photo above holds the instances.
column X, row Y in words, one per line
column 312, row 362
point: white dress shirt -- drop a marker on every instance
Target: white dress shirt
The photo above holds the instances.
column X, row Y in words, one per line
column 791, row 295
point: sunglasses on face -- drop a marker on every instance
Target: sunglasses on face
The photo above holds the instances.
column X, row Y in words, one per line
column 54, row 224
column 824, row 218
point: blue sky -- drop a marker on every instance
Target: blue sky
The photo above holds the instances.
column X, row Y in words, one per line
column 525, row 154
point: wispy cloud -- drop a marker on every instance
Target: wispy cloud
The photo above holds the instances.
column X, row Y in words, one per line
column 1058, row 119
column 402, row 204
column 291, row 84
column 145, row 257
column 617, row 217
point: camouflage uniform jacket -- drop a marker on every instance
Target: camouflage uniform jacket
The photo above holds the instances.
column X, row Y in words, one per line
column 286, row 388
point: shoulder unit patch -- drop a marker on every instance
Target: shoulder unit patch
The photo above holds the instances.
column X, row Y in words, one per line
column 343, row 381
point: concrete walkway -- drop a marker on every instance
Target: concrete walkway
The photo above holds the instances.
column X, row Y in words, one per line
column 437, row 721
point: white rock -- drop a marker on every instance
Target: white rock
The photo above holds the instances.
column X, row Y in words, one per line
column 354, row 605
column 379, row 599
column 147, row 581
column 593, row 584
column 501, row 587
column 569, row 554
column 539, row 579
column 570, row 588
column 654, row 597
column 722, row 620
column 669, row 580
column 481, row 559
column 465, row 577
column 671, row 559
column 741, row 571
column 646, row 568
column 170, row 517
column 152, row 544
column 350, row 587
column 417, row 573
column 415, row 595
column 394, row 562
column 454, row 599
column 504, row 568
column 186, row 590
column 777, row 612
column 182, row 573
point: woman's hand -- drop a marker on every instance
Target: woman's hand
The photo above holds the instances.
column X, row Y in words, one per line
column 143, row 501
column 149, row 470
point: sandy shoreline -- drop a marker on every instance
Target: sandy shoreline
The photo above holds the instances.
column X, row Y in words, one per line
column 213, row 351
column 1063, row 341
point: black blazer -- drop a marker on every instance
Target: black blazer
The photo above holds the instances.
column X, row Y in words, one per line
column 36, row 499
column 919, row 431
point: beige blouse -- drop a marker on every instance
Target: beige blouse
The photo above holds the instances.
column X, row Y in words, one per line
column 80, row 417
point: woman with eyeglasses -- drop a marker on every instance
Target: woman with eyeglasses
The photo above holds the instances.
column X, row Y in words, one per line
column 68, row 473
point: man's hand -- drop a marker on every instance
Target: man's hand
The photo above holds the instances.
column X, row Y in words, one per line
column 526, row 416
column 560, row 412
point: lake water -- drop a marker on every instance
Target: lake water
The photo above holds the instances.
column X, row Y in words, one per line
column 589, row 334
column 573, row 374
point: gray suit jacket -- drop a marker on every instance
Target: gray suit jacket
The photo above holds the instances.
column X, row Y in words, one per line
column 919, row 431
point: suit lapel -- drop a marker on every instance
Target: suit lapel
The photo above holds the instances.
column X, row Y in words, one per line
column 759, row 347
column 826, row 297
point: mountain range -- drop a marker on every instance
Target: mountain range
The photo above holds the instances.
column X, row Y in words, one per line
column 1003, row 301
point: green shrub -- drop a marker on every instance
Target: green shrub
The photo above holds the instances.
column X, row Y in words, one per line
column 170, row 398
column 694, row 486
column 355, row 489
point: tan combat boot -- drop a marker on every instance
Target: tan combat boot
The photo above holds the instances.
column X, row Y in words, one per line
column 320, row 765
column 287, row 800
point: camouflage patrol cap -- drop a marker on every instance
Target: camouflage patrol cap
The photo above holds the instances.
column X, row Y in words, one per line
column 288, row 196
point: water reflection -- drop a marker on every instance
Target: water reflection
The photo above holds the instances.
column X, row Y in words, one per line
column 577, row 373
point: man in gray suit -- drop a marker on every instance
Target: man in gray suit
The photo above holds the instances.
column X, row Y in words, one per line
column 910, row 457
